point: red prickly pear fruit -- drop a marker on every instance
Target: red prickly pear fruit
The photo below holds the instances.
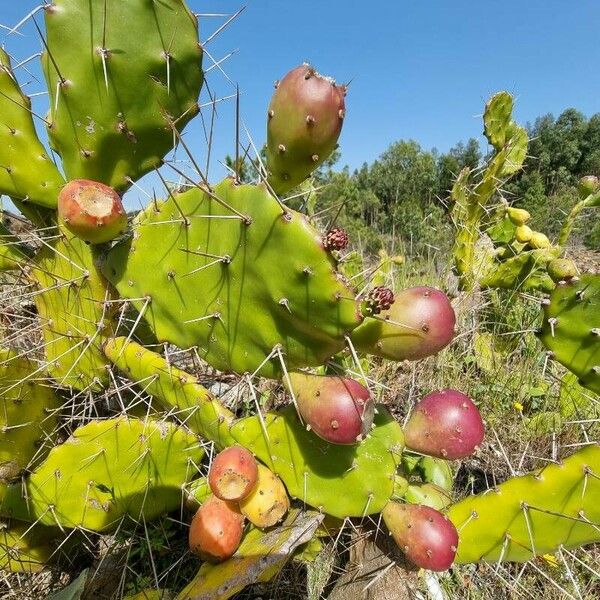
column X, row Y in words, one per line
column 92, row 211
column 233, row 474
column 426, row 536
column 336, row 239
column 337, row 409
column 305, row 119
column 445, row 424
column 419, row 323
column 216, row 530
column 378, row 299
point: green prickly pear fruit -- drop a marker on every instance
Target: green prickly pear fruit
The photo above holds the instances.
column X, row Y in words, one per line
column 216, row 530
column 523, row 233
column 339, row 410
column 419, row 323
column 587, row 186
column 445, row 424
column 518, row 216
column 268, row 502
column 92, row 211
column 561, row 269
column 305, row 119
column 425, row 535
column 539, row 240
column 233, row 474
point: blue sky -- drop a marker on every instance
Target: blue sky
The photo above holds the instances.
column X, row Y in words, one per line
column 421, row 69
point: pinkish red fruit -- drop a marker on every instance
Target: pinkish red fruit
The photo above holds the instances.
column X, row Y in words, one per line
column 336, row 239
column 419, row 323
column 337, row 409
column 426, row 536
column 445, row 424
column 92, row 211
column 233, row 474
column 216, row 530
column 378, row 299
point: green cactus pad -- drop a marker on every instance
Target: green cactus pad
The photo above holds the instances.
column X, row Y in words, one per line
column 106, row 470
column 343, row 481
column 259, row 558
column 26, row 549
column 74, row 317
column 177, row 391
column 497, row 118
column 119, row 73
column 234, row 287
column 557, row 506
column 571, row 328
column 26, row 171
column 27, row 414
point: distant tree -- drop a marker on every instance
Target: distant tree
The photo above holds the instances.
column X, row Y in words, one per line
column 453, row 162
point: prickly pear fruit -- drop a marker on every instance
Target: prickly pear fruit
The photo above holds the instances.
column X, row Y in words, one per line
column 216, row 530
column 518, row 216
column 268, row 502
column 539, row 240
column 561, row 269
column 336, row 239
column 445, row 424
column 588, row 185
column 233, row 473
column 92, row 211
column 337, row 409
column 426, row 536
column 378, row 299
column 304, row 122
column 419, row 323
column 523, row 233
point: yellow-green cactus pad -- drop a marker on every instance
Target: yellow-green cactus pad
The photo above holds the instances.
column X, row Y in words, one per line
column 233, row 273
column 120, row 75
column 107, row 470
column 557, row 506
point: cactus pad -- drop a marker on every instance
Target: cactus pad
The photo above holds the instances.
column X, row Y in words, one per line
column 235, row 287
column 74, row 313
column 571, row 328
column 339, row 480
column 27, row 414
column 556, row 506
column 26, row 171
column 177, row 391
column 119, row 73
column 106, row 470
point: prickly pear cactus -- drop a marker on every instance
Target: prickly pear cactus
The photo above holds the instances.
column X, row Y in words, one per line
column 571, row 328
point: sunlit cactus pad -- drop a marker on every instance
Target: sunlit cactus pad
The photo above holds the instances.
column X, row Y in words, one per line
column 119, row 74
column 343, row 481
column 557, row 506
column 75, row 309
column 204, row 276
column 106, row 470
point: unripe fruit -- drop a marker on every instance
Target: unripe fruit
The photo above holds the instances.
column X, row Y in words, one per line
column 378, row 299
column 337, row 409
column 92, row 211
column 561, row 269
column 216, row 530
column 588, row 185
column 336, row 239
column 539, row 240
column 523, row 234
column 427, row 538
column 445, row 424
column 268, row 502
column 518, row 216
column 233, row 474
